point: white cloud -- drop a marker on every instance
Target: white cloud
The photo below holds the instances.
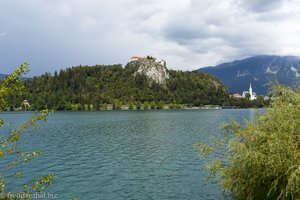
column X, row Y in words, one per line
column 188, row 34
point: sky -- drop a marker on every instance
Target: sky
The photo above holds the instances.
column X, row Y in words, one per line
column 188, row 34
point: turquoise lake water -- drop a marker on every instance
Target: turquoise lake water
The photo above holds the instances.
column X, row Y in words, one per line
column 124, row 154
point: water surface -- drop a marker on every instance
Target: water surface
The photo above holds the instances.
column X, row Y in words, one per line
column 125, row 154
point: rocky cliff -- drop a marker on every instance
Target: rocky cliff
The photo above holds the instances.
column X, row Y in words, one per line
column 152, row 69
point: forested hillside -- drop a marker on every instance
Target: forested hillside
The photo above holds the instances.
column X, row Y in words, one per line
column 92, row 87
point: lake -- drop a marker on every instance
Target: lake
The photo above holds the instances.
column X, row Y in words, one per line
column 124, row 154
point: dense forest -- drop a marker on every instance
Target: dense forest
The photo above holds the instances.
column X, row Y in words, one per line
column 103, row 87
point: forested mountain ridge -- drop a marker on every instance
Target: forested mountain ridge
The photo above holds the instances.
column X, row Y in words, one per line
column 94, row 86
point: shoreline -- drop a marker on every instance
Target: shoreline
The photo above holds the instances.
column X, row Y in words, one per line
column 103, row 110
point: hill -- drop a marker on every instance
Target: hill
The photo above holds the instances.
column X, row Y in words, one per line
column 139, row 82
column 259, row 70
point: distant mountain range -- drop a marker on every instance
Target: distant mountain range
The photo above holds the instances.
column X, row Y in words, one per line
column 261, row 71
column 2, row 76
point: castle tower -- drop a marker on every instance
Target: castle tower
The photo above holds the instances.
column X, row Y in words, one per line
column 163, row 62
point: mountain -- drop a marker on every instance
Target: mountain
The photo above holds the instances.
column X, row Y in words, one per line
column 2, row 76
column 261, row 71
column 141, row 81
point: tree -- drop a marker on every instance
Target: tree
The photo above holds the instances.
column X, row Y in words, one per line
column 9, row 140
column 248, row 96
column 262, row 158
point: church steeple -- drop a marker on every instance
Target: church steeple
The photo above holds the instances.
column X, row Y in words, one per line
column 251, row 92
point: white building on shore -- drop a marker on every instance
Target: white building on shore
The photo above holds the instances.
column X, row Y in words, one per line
column 252, row 94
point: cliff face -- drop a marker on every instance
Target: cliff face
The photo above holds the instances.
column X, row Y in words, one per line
column 153, row 70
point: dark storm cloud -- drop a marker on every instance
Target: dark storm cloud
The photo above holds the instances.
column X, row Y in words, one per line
column 260, row 5
column 183, row 33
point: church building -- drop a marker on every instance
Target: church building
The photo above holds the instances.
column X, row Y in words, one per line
column 252, row 94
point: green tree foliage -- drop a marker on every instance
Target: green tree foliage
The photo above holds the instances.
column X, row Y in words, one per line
column 246, row 103
column 76, row 87
column 9, row 150
column 262, row 157
column 248, row 96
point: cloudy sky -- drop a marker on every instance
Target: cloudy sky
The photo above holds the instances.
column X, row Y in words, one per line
column 188, row 34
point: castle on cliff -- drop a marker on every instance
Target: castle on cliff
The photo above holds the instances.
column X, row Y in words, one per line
column 162, row 61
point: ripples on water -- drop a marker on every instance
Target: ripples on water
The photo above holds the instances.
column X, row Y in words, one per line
column 125, row 154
